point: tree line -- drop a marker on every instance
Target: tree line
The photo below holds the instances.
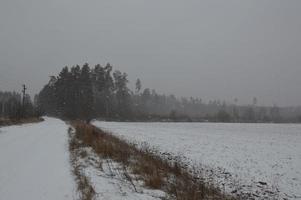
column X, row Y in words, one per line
column 15, row 106
column 84, row 92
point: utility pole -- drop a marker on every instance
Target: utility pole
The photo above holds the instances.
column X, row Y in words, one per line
column 23, row 100
column 24, row 93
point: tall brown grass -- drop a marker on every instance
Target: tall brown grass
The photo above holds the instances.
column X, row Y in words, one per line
column 155, row 171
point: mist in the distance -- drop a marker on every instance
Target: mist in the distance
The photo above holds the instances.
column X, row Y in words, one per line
column 207, row 49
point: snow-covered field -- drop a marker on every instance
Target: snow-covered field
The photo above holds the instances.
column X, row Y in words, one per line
column 253, row 154
column 34, row 162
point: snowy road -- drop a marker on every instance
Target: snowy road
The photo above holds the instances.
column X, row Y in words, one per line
column 34, row 162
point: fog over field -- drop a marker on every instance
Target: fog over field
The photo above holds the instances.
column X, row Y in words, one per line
column 210, row 49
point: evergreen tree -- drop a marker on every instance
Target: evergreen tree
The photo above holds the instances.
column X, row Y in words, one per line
column 85, row 94
column 138, row 86
column 108, row 91
column 122, row 94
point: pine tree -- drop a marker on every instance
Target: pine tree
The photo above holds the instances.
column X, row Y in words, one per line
column 122, row 94
column 138, row 86
column 86, row 93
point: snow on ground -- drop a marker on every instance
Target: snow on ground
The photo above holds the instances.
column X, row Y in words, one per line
column 34, row 162
column 35, row 165
column 107, row 179
column 111, row 186
column 253, row 154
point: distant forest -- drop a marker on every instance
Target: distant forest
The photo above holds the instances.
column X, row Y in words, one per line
column 82, row 92
column 99, row 92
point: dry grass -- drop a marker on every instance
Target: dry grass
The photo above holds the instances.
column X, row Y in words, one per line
column 9, row 122
column 155, row 171
column 84, row 187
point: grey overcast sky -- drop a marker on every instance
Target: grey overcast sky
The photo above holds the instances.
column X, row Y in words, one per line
column 213, row 49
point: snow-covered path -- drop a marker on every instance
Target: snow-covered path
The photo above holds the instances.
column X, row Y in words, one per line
column 34, row 162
